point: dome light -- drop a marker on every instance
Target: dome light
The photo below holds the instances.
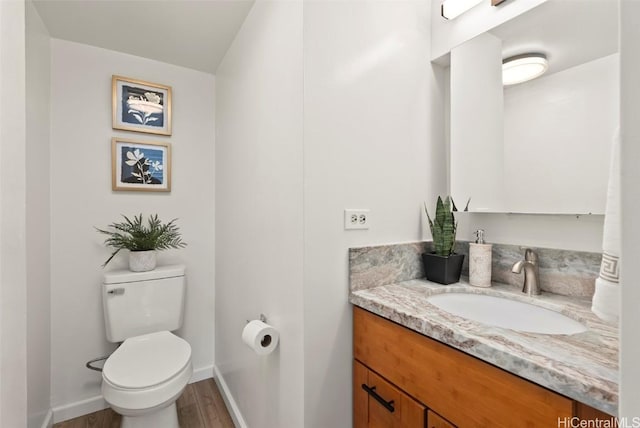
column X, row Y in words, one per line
column 521, row 68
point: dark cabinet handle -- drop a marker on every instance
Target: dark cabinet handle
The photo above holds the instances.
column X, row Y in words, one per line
column 371, row 390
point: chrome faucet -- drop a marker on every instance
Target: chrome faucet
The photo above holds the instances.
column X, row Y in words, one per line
column 530, row 265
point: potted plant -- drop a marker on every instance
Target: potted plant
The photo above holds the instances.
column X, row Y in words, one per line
column 443, row 265
column 142, row 240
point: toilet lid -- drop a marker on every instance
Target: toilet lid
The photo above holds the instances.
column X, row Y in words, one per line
column 147, row 360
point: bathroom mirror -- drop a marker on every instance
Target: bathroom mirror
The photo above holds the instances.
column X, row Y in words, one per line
column 542, row 146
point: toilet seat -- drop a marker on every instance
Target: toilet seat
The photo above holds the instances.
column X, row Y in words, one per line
column 146, row 372
column 148, row 360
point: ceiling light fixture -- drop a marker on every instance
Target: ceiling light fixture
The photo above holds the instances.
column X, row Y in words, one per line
column 521, row 68
column 453, row 8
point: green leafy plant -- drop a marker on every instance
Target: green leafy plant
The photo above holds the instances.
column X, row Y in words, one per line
column 444, row 225
column 134, row 235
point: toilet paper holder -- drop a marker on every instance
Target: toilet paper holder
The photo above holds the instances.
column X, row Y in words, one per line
column 261, row 318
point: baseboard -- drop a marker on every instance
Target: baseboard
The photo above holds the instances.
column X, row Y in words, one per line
column 234, row 411
column 48, row 420
column 79, row 408
column 202, row 374
column 94, row 404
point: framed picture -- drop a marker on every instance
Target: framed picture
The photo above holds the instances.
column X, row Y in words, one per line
column 141, row 106
column 140, row 166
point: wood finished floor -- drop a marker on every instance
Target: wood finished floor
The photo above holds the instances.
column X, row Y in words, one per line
column 199, row 406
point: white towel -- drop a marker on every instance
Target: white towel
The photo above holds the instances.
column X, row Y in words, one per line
column 606, row 300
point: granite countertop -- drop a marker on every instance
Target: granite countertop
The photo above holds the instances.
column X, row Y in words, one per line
column 582, row 366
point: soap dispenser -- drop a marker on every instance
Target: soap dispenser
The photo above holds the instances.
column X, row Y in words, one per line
column 480, row 261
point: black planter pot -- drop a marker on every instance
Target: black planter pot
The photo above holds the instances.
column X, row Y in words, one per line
column 442, row 269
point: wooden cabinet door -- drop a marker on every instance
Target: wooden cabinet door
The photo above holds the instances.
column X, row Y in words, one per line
column 400, row 410
column 587, row 413
column 378, row 404
column 360, row 396
column 434, row 420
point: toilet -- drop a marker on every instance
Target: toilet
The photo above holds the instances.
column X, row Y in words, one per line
column 146, row 374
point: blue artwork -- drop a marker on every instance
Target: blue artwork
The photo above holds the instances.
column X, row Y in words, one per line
column 141, row 167
column 142, row 106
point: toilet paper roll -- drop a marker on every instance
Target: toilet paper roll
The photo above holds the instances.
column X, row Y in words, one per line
column 260, row 337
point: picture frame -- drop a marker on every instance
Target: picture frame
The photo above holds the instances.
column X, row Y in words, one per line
column 141, row 106
column 140, row 166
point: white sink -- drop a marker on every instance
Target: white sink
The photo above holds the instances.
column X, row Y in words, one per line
column 506, row 313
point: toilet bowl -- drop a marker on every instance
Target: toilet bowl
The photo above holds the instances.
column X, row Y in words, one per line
column 144, row 377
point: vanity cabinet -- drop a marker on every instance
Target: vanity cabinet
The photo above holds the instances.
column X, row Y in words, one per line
column 434, row 420
column 379, row 404
column 445, row 385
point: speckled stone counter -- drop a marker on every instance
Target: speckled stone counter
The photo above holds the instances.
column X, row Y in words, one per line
column 583, row 366
column 570, row 273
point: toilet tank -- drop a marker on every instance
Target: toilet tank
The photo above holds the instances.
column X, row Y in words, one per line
column 137, row 303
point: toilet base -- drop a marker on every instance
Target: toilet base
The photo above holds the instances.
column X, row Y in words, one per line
column 166, row 417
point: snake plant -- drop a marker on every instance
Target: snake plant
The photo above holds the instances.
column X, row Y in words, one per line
column 444, row 225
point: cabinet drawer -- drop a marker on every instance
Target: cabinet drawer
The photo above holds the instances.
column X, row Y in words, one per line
column 436, row 421
column 468, row 391
column 378, row 404
column 586, row 413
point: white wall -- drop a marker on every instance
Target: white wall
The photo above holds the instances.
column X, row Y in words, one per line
column 259, row 213
column 37, row 219
column 369, row 93
column 370, row 141
column 81, row 198
column 630, row 156
column 568, row 232
column 13, row 320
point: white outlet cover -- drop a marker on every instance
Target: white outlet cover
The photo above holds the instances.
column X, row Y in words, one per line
column 356, row 219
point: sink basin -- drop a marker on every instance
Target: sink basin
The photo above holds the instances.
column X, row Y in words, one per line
column 506, row 313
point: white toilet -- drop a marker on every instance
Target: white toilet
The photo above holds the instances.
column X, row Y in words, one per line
column 144, row 377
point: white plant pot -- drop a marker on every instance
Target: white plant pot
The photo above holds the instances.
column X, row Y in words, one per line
column 142, row 261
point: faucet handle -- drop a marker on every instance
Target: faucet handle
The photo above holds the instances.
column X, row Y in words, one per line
column 530, row 255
